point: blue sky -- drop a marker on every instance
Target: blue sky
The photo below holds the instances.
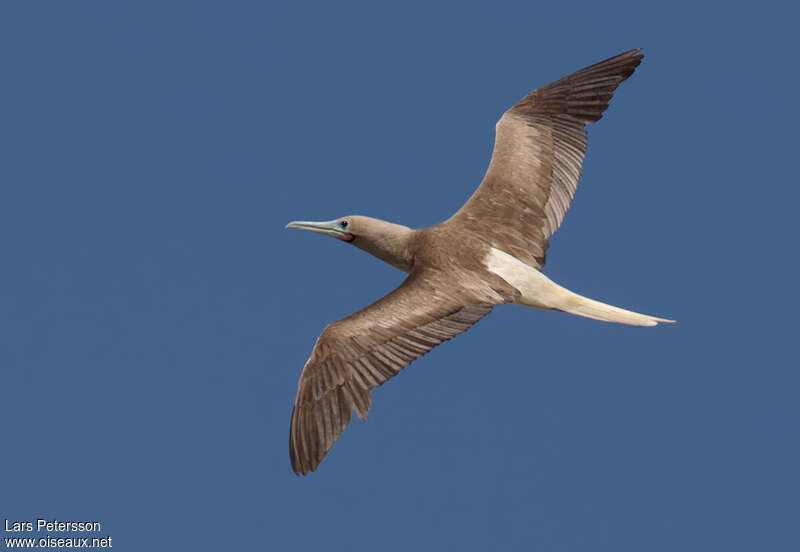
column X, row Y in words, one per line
column 155, row 316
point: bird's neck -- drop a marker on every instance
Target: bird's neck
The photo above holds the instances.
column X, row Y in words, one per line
column 392, row 243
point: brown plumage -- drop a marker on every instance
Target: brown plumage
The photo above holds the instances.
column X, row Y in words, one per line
column 539, row 147
column 488, row 253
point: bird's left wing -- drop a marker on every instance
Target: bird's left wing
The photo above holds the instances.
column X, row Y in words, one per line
column 537, row 159
column 370, row 346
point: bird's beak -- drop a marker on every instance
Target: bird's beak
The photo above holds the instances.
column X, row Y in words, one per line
column 330, row 228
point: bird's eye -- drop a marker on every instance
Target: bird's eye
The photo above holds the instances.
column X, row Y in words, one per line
column 343, row 224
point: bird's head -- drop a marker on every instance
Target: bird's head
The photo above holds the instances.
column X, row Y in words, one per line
column 387, row 241
column 344, row 228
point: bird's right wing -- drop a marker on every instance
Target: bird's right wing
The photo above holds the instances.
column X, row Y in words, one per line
column 370, row 346
column 537, row 159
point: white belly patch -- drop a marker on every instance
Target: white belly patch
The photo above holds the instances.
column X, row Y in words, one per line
column 536, row 289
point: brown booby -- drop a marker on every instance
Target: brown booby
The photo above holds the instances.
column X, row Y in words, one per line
column 490, row 252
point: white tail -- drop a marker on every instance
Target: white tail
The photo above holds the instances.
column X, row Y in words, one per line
column 583, row 306
column 537, row 290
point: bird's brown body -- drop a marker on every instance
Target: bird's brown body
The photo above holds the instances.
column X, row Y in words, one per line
column 490, row 252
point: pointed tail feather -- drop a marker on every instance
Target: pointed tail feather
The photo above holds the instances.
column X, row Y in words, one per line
column 583, row 306
column 537, row 290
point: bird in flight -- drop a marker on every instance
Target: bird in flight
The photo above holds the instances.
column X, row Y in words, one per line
column 490, row 252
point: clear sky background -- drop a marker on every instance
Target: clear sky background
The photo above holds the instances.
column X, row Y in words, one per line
column 155, row 315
